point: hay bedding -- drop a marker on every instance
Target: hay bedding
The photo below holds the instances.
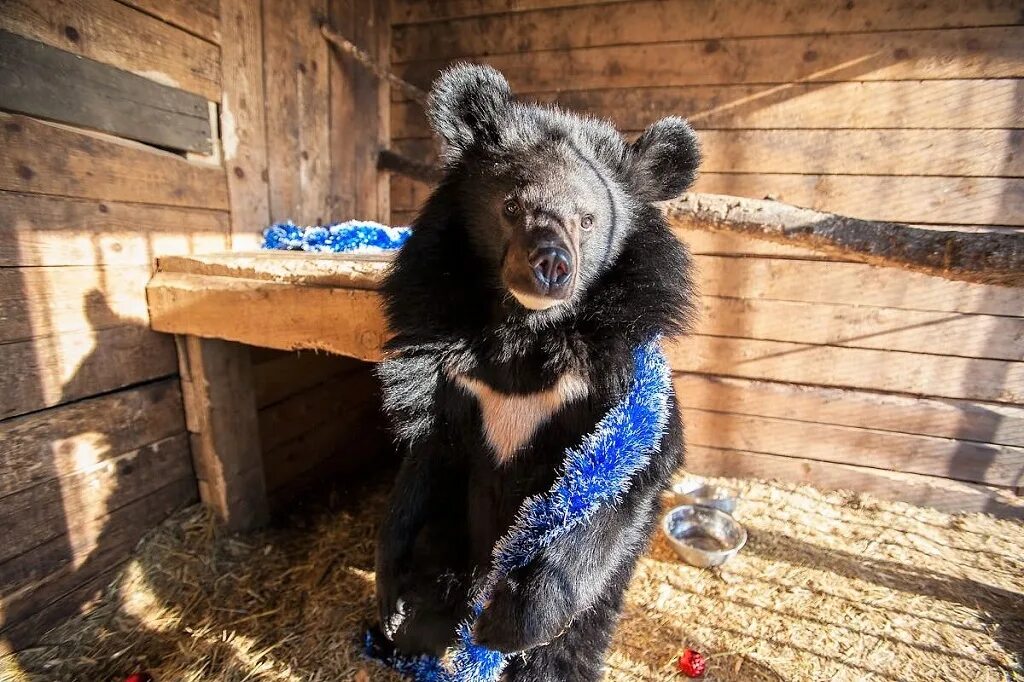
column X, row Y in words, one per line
column 830, row 587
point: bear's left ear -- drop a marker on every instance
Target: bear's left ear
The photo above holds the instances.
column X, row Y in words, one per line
column 465, row 106
column 663, row 162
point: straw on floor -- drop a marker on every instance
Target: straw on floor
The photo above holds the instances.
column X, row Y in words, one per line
column 830, row 587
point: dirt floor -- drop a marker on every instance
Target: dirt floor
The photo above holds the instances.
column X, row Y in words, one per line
column 830, row 587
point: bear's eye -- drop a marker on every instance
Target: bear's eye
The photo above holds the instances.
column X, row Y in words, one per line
column 587, row 222
column 511, row 208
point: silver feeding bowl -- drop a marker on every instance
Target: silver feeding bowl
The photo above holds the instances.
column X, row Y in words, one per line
column 703, row 536
column 696, row 491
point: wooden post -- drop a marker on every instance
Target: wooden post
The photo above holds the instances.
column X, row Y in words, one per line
column 220, row 410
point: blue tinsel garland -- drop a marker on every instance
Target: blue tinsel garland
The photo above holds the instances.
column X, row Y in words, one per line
column 353, row 235
column 598, row 472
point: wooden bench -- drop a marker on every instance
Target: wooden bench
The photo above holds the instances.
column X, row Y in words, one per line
column 219, row 304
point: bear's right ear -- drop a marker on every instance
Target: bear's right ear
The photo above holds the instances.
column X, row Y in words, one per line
column 465, row 106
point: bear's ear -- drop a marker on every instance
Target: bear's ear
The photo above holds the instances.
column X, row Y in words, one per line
column 465, row 105
column 663, row 162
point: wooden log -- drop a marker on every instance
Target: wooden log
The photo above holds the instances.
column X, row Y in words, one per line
column 243, row 120
column 220, row 408
column 113, row 33
column 653, row 21
column 941, row 418
column 49, row 159
column 85, row 433
column 926, row 491
column 42, row 81
column 989, row 258
column 41, row 230
column 198, row 17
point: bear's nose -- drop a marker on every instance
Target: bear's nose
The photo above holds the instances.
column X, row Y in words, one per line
column 552, row 266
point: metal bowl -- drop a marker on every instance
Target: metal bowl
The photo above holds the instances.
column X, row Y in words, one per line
column 696, row 491
column 703, row 536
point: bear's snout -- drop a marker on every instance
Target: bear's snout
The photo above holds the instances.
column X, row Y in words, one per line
column 552, row 267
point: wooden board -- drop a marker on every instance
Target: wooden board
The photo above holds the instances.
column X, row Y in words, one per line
column 273, row 314
column 296, row 373
column 932, row 333
column 42, row 512
column 73, row 438
column 61, row 580
column 891, row 371
column 955, row 459
column 897, row 55
column 198, row 17
column 415, row 11
column 41, row 230
column 47, row 159
column 49, row 371
column 220, row 405
column 352, row 271
column 927, row 491
column 45, row 82
column 952, row 419
column 296, row 80
column 115, row 34
column 652, row 21
column 243, row 120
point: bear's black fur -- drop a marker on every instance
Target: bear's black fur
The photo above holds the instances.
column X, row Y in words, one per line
column 522, row 180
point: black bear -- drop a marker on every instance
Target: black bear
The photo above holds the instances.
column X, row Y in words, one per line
column 534, row 270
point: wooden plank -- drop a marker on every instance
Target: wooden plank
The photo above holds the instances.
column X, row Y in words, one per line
column 115, row 34
column 296, row 78
column 73, row 438
column 971, row 201
column 41, row 512
column 42, row 81
column 350, row 270
column 653, row 21
column 243, row 120
column 45, row 576
column 955, row 459
column 41, row 230
column 277, row 315
column 955, row 419
column 955, row 334
column 49, row 159
column 294, row 373
column 850, row 284
column 45, row 301
column 926, row 491
column 415, row 11
column 896, row 55
column 220, row 404
column 48, row 371
column 880, row 370
column 198, row 17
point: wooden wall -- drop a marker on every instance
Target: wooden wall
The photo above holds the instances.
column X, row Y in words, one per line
column 804, row 367
column 133, row 129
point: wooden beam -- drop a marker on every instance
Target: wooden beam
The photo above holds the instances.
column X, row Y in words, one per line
column 220, row 409
column 45, row 82
column 987, row 258
column 198, row 17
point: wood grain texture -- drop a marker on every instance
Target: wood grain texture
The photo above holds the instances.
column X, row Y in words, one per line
column 293, row 373
column 880, row 370
column 198, row 17
column 651, row 21
column 926, row 491
column 415, row 11
column 43, row 81
column 947, row 458
column 94, row 430
column 49, row 371
column 244, row 120
column 899, row 55
column 220, row 406
column 943, row 419
column 123, row 37
column 42, row 230
column 350, row 270
column 47, row 159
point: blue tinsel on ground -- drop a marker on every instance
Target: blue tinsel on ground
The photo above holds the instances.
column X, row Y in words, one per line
column 351, row 236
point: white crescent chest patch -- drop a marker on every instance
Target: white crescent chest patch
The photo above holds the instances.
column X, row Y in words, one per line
column 511, row 419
